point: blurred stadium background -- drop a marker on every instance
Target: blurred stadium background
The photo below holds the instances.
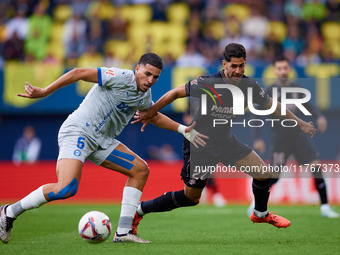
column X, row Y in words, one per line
column 40, row 40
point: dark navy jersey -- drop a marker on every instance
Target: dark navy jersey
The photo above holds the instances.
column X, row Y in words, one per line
column 220, row 103
column 278, row 132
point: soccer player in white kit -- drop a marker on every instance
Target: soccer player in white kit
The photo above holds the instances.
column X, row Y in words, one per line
column 90, row 131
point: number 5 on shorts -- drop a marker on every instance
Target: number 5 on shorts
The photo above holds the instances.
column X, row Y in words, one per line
column 81, row 143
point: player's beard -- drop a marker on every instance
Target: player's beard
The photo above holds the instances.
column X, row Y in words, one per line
column 284, row 81
column 232, row 81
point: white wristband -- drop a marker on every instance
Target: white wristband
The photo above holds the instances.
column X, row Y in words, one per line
column 181, row 129
column 191, row 135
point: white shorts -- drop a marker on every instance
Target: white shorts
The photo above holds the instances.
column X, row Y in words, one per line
column 74, row 143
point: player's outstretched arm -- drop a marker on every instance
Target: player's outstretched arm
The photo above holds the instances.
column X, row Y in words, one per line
column 167, row 98
column 307, row 128
column 162, row 121
column 76, row 74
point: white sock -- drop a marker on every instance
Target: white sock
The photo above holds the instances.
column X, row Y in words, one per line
column 260, row 214
column 34, row 200
column 130, row 201
column 139, row 210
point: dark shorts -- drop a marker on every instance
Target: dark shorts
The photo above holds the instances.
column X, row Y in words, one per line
column 235, row 151
column 300, row 146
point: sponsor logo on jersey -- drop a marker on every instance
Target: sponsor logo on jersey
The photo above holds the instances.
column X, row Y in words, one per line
column 216, row 95
column 110, row 72
column 124, row 108
column 221, row 109
column 101, row 124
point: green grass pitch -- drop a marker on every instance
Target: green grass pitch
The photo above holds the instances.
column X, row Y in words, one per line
column 53, row 229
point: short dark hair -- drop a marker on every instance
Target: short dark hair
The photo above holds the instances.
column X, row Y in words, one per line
column 234, row 50
column 151, row 59
column 280, row 58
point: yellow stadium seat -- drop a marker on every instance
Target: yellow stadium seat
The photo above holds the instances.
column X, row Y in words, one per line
column 127, row 11
column 174, row 48
column 333, row 46
column 278, row 28
column 160, row 31
column 241, row 11
column 57, row 33
column 217, row 29
column 331, row 30
column 104, row 10
column 57, row 49
column 120, row 49
column 138, row 33
column 62, row 13
column 178, row 13
column 177, row 32
column 164, row 31
column 137, row 14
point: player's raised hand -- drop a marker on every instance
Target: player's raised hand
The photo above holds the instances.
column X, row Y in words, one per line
column 194, row 137
column 33, row 92
column 308, row 128
column 139, row 117
column 143, row 116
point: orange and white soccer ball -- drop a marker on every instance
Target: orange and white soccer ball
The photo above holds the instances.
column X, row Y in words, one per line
column 95, row 227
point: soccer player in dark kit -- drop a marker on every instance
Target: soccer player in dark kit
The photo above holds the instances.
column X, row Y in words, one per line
column 291, row 141
column 221, row 146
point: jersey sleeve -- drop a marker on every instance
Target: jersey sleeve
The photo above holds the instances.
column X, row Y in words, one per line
column 112, row 76
column 194, row 87
column 260, row 96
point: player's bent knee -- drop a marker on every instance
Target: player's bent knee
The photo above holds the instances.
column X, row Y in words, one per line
column 142, row 170
column 68, row 191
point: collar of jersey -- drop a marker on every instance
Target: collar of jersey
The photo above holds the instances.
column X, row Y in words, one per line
column 135, row 83
column 223, row 77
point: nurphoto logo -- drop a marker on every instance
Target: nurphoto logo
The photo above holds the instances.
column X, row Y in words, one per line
column 238, row 104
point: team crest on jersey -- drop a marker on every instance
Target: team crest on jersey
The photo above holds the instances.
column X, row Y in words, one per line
column 194, row 82
column 110, row 72
column 140, row 102
column 192, row 181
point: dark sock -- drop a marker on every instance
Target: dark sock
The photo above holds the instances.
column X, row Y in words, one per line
column 321, row 187
column 261, row 192
column 167, row 202
column 320, row 184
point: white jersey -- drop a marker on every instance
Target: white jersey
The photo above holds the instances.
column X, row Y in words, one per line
column 110, row 105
